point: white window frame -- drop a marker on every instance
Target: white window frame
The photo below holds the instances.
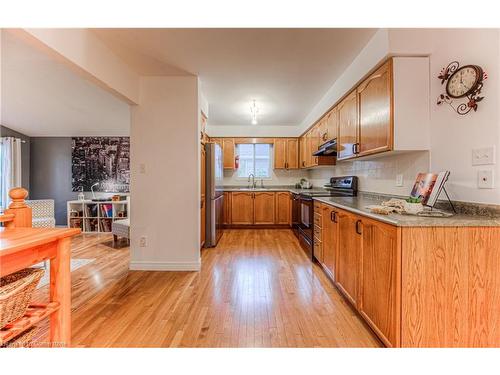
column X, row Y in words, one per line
column 271, row 162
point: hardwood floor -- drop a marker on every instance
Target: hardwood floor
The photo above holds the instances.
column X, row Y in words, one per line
column 256, row 289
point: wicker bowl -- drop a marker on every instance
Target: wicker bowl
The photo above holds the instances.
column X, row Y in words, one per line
column 15, row 293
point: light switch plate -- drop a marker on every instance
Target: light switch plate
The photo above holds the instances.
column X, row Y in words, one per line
column 399, row 180
column 485, row 179
column 483, row 156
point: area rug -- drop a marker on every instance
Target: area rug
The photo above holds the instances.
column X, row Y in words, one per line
column 75, row 264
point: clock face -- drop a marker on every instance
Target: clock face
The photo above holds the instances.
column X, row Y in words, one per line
column 463, row 81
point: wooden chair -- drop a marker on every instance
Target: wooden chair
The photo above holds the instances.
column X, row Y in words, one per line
column 18, row 215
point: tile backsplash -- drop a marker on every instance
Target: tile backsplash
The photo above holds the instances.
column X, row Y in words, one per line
column 378, row 174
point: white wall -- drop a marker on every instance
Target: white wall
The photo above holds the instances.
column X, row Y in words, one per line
column 165, row 199
column 374, row 52
column 454, row 136
column 89, row 56
column 377, row 175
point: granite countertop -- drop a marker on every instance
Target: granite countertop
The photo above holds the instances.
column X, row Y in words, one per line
column 358, row 205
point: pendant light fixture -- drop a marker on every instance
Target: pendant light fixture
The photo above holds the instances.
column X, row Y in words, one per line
column 254, row 111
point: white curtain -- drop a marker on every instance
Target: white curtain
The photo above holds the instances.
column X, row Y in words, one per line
column 10, row 167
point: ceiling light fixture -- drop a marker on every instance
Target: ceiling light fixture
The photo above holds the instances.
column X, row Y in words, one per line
column 254, row 111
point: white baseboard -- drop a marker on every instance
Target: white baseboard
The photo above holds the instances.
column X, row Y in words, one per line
column 164, row 266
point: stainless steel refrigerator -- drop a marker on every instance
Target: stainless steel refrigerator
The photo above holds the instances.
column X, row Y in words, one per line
column 214, row 194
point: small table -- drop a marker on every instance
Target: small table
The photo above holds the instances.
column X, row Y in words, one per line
column 24, row 247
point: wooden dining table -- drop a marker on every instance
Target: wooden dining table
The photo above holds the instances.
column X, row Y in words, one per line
column 24, row 247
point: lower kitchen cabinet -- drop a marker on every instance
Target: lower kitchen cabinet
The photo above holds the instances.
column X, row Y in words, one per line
column 348, row 255
column 242, row 208
column 260, row 208
column 380, row 276
column 226, row 220
column 283, row 208
column 264, row 208
column 329, row 238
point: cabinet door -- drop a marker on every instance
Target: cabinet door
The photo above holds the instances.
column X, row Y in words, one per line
column 202, row 195
column 348, row 127
column 264, row 208
column 330, row 237
column 302, row 150
column 375, row 109
column 308, row 156
column 227, row 208
column 348, row 255
column 380, row 287
column 280, row 153
column 242, row 210
column 322, row 130
column 228, row 150
column 283, row 207
column 315, row 142
column 292, row 153
column 332, row 124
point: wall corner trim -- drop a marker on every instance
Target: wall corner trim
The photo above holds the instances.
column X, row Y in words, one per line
column 164, row 266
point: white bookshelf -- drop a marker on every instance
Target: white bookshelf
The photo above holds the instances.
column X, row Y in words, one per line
column 95, row 217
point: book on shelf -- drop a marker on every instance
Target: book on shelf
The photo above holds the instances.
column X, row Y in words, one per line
column 428, row 186
column 105, row 225
column 106, row 210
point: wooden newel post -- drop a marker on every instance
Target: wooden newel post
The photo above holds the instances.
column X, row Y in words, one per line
column 18, row 207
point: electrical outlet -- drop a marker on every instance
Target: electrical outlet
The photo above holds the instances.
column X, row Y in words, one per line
column 142, row 168
column 399, row 180
column 483, row 156
column 485, row 179
column 143, row 241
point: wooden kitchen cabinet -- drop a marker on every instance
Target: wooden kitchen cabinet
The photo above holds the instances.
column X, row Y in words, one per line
column 283, row 208
column 374, row 97
column 292, row 153
column 332, row 124
column 228, row 149
column 279, row 153
column 227, row 208
column 242, row 208
column 264, row 208
column 330, row 238
column 286, row 153
column 380, row 280
column 348, row 255
column 347, row 139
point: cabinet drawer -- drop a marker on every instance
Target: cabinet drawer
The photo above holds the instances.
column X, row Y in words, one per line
column 318, row 220
column 318, row 250
column 317, row 206
column 317, row 232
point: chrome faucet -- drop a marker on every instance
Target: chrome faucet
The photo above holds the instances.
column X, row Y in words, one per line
column 251, row 175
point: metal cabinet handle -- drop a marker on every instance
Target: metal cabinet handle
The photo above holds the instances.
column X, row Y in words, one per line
column 333, row 216
column 358, row 227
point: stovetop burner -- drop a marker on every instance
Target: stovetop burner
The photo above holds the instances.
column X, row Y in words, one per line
column 337, row 187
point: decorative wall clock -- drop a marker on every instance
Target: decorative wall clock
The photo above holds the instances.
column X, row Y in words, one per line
column 462, row 82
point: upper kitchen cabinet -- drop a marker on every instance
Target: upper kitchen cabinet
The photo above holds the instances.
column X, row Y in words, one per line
column 375, row 109
column 347, row 140
column 387, row 111
column 286, row 153
column 228, row 153
column 332, row 125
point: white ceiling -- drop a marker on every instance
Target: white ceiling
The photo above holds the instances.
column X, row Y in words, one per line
column 43, row 97
column 287, row 71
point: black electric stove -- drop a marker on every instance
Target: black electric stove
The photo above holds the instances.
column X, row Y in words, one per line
column 303, row 208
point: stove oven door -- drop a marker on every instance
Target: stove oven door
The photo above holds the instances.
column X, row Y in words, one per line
column 306, row 223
